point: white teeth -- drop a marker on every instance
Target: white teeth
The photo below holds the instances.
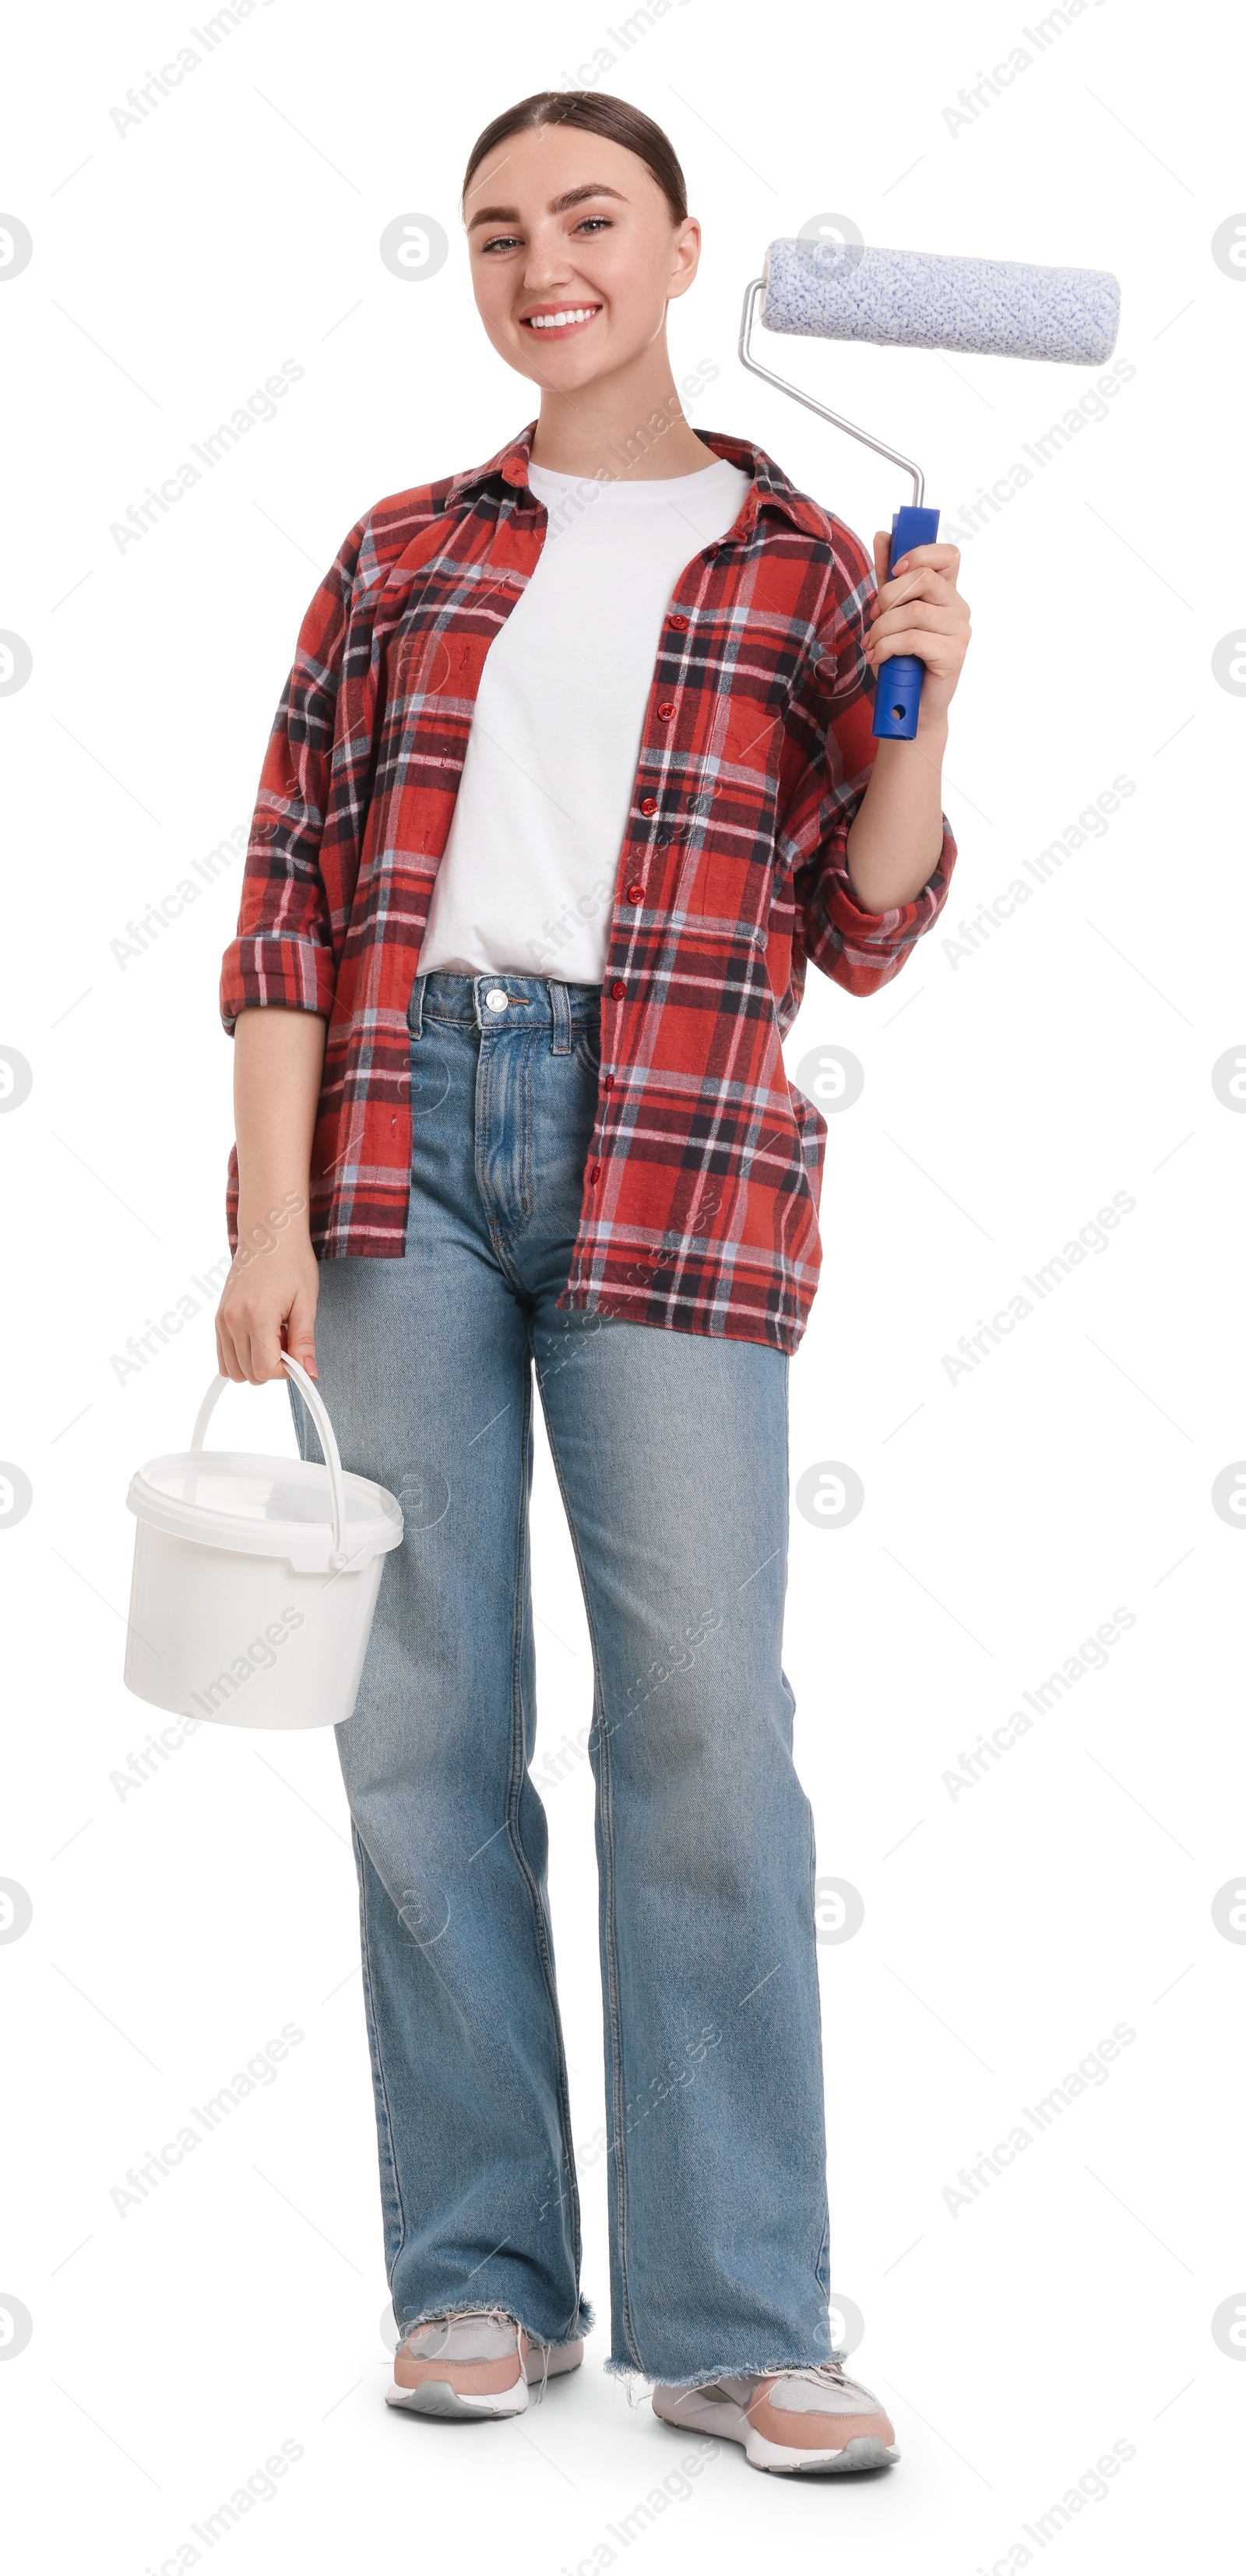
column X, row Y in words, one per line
column 560, row 321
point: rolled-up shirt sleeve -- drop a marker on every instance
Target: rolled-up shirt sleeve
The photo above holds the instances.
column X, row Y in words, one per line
column 284, row 949
column 830, row 729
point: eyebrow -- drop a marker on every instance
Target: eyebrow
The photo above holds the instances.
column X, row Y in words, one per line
column 557, row 206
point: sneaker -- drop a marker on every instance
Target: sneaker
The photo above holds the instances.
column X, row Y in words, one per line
column 791, row 2420
column 478, row 2363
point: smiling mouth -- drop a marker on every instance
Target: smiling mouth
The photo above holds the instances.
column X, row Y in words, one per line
column 561, row 322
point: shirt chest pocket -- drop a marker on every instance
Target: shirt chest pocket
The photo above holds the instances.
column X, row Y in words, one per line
column 729, row 897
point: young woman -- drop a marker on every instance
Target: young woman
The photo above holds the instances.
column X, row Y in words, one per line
column 572, row 775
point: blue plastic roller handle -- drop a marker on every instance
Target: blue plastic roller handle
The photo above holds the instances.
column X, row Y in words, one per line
column 898, row 689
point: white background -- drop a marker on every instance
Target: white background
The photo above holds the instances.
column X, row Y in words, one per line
column 1006, row 1098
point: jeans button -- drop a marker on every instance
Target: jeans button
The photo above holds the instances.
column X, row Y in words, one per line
column 496, row 1000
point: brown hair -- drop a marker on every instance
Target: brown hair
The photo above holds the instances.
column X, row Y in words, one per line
column 594, row 112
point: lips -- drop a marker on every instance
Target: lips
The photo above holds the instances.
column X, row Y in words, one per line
column 559, row 321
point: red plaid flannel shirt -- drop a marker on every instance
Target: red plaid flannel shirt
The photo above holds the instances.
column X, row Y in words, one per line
column 700, row 1205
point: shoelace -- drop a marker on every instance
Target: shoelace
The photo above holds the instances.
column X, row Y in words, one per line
column 822, row 2376
column 830, row 2374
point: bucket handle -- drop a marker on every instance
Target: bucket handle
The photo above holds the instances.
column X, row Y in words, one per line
column 314, row 1401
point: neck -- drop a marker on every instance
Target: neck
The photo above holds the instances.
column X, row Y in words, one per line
column 625, row 426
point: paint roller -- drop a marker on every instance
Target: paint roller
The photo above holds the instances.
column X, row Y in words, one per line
column 839, row 290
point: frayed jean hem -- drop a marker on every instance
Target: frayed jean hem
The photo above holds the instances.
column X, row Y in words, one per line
column 733, row 2369
column 584, row 2322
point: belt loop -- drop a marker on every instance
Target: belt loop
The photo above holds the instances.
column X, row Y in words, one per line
column 560, row 1013
column 415, row 1009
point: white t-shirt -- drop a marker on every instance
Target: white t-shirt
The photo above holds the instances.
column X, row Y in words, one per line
column 526, row 882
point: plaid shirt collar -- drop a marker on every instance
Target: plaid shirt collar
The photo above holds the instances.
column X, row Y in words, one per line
column 770, row 485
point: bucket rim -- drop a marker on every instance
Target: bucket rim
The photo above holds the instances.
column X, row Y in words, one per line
column 306, row 1546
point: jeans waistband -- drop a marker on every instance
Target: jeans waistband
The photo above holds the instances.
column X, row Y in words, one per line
column 531, row 1002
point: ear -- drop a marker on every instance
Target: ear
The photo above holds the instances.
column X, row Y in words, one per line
column 685, row 257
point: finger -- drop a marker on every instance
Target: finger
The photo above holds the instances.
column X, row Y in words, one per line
column 227, row 1359
column 882, row 555
column 933, row 627
column 922, row 583
column 300, row 1333
column 916, row 613
column 942, row 558
column 242, row 1344
column 247, row 1337
column 265, row 1350
column 937, row 651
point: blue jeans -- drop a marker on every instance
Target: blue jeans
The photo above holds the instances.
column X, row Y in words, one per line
column 671, row 1454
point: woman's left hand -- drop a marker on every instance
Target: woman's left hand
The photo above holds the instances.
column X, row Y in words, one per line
column 920, row 610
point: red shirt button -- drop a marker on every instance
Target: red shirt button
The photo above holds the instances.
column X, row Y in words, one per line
column 648, row 804
column 617, row 992
column 594, row 1173
column 636, row 894
column 680, row 624
column 607, row 1082
column 666, row 710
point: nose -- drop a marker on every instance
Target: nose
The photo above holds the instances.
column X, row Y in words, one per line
column 547, row 265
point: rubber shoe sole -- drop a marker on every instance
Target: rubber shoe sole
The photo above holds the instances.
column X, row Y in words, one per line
column 437, row 2397
column 452, row 2405
column 723, row 2419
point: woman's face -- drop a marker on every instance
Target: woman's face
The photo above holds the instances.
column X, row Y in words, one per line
column 575, row 255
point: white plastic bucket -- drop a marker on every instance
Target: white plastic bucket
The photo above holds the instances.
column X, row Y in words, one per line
column 255, row 1579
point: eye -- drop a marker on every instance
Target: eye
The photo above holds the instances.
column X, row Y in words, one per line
column 500, row 241
column 594, row 223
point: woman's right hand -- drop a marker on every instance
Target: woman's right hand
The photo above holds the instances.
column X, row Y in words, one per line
column 268, row 1303
column 269, row 1299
